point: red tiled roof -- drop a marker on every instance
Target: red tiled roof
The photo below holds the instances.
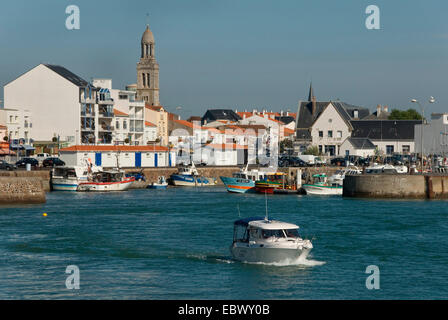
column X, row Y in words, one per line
column 119, row 113
column 149, row 124
column 87, row 148
column 289, row 132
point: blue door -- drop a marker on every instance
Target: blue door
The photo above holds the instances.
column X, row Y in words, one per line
column 98, row 158
column 138, row 159
column 156, row 160
column 169, row 159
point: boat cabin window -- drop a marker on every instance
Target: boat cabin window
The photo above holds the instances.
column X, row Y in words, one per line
column 292, row 233
column 272, row 233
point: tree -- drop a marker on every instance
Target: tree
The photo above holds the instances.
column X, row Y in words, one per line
column 285, row 145
column 312, row 150
column 410, row 114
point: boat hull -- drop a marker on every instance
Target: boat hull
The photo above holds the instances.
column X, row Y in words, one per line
column 192, row 181
column 106, row 186
column 322, row 190
column 248, row 253
column 60, row 184
column 158, row 186
column 238, row 185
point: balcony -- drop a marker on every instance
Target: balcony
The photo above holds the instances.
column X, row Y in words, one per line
column 87, row 128
column 105, row 128
column 106, row 114
column 88, row 100
column 108, row 101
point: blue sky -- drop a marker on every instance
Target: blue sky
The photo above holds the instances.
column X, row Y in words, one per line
column 242, row 53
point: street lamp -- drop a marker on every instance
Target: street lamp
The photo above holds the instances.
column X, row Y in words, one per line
column 431, row 100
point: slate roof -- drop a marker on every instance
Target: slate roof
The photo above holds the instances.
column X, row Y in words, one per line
column 220, row 114
column 384, row 115
column 361, row 143
column 384, row 129
column 67, row 74
column 285, row 119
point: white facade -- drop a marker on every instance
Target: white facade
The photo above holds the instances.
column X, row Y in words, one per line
column 52, row 100
column 347, row 148
column 435, row 135
column 113, row 157
column 19, row 124
column 329, row 131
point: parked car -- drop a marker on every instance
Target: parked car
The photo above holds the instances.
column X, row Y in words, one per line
column 291, row 161
column 319, row 162
column 53, row 162
column 7, row 166
column 24, row 161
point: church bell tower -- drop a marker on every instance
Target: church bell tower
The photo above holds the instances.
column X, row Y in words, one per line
column 148, row 71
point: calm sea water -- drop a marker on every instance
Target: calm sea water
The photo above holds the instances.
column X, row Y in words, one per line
column 174, row 244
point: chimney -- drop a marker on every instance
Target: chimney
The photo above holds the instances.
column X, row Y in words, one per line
column 287, row 113
column 386, row 109
column 313, row 103
column 378, row 110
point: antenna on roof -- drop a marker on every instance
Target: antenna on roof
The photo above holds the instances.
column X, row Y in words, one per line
column 147, row 19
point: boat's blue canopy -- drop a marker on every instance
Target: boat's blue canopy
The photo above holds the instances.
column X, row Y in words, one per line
column 244, row 222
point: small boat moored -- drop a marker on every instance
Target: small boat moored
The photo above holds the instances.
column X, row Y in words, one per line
column 189, row 177
column 257, row 239
column 321, row 186
column 160, row 184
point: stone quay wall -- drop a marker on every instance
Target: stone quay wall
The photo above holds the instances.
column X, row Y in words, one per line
column 21, row 190
column 396, row 186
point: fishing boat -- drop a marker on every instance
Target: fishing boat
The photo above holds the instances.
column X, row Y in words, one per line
column 321, row 186
column 258, row 239
column 189, row 176
column 160, row 184
column 104, row 181
column 67, row 178
column 271, row 182
column 244, row 180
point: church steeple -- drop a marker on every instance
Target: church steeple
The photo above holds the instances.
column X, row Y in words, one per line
column 148, row 70
column 311, row 93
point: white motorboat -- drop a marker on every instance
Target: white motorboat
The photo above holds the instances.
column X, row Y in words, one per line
column 103, row 181
column 258, row 239
column 339, row 176
column 67, row 178
column 321, row 186
column 386, row 168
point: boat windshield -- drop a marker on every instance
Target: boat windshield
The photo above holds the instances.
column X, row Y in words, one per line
column 292, row 233
column 272, row 233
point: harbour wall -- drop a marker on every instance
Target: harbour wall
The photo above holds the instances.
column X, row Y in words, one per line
column 21, row 190
column 396, row 186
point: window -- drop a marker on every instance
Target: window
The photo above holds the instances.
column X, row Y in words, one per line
column 123, row 97
column 117, row 124
column 339, row 134
column 320, row 149
column 355, row 114
column 330, row 133
column 406, row 149
column 144, row 79
column 321, row 134
column 389, row 149
column 125, row 124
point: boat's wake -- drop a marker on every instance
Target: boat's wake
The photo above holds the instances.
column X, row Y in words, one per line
column 301, row 261
column 288, row 262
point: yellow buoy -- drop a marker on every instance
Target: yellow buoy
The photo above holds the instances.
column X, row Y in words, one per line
column 44, row 214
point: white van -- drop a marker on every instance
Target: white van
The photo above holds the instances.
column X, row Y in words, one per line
column 309, row 159
column 42, row 156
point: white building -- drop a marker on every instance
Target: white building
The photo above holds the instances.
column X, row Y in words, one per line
column 357, row 147
column 435, row 135
column 19, row 124
column 55, row 98
column 109, row 156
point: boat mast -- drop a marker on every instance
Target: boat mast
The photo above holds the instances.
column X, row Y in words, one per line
column 266, row 217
